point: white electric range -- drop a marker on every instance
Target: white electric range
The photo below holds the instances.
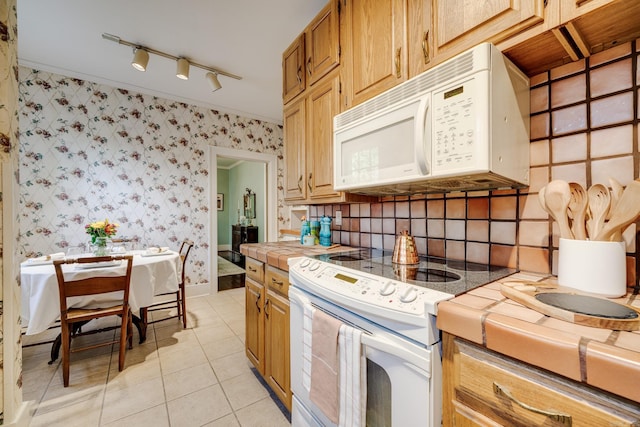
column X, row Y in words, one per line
column 394, row 307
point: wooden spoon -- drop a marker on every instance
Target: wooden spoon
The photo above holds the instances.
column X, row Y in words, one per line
column 557, row 197
column 599, row 201
column 541, row 199
column 577, row 210
column 627, row 211
column 616, row 193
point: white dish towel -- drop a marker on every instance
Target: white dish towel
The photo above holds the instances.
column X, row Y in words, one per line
column 307, row 326
column 353, row 370
column 353, row 378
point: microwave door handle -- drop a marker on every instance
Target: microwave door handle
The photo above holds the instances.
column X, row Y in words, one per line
column 420, row 358
column 422, row 136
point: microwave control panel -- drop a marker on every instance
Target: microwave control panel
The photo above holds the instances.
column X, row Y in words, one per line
column 455, row 130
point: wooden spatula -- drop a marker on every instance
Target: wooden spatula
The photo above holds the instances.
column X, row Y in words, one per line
column 627, row 211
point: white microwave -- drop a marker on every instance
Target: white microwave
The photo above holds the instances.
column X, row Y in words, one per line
column 462, row 125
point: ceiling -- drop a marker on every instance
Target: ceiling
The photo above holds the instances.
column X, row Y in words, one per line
column 242, row 37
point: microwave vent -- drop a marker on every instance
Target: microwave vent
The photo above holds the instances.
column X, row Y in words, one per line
column 477, row 182
column 424, row 82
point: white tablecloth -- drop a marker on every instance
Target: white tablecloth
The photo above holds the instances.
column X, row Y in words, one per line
column 150, row 275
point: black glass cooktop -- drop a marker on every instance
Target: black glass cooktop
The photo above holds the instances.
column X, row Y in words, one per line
column 450, row 276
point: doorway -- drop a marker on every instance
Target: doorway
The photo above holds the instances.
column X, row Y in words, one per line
column 231, row 207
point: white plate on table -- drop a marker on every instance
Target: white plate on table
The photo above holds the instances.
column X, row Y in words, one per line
column 34, row 262
column 155, row 253
column 103, row 264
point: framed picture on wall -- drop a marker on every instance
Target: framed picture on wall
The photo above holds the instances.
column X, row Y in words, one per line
column 220, row 201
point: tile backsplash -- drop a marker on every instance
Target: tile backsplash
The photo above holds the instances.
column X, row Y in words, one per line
column 584, row 128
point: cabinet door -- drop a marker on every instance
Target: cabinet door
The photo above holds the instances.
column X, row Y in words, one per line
column 419, row 33
column 323, row 102
column 571, row 9
column 293, row 74
column 481, row 387
column 277, row 367
column 254, row 323
column 294, row 151
column 323, row 43
column 376, row 55
column 462, row 24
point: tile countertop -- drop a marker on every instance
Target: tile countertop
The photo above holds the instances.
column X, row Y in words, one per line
column 603, row 358
column 276, row 254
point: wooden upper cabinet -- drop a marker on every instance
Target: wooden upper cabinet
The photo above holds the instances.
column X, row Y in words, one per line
column 462, row 24
column 375, row 47
column 294, row 122
column 293, row 73
column 323, row 43
column 323, row 103
column 420, row 36
column 571, row 9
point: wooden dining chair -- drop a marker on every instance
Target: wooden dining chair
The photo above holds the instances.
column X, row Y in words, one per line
column 180, row 301
column 73, row 318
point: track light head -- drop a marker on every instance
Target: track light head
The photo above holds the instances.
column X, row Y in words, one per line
column 212, row 78
column 182, row 71
column 140, row 59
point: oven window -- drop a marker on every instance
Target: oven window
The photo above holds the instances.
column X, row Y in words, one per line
column 378, row 396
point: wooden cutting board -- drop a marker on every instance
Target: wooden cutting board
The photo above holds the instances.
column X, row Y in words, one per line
column 573, row 306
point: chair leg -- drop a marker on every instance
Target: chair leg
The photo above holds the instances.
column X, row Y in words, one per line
column 66, row 352
column 183, row 303
column 124, row 337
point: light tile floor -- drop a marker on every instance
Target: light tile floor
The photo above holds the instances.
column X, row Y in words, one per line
column 197, row 376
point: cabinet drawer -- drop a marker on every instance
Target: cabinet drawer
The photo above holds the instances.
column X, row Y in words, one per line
column 255, row 269
column 277, row 280
column 512, row 393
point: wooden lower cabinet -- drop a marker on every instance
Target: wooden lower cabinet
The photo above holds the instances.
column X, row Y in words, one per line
column 254, row 333
column 484, row 388
column 267, row 326
column 276, row 338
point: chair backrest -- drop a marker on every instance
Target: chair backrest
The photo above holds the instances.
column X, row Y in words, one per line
column 185, row 248
column 93, row 285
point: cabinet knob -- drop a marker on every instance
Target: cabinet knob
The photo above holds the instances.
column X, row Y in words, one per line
column 299, row 74
column 309, row 66
column 300, row 183
column 398, row 70
column 309, row 183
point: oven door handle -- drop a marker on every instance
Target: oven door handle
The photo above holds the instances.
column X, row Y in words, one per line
column 419, row 357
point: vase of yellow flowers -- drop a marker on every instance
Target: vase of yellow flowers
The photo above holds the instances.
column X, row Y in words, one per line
column 100, row 231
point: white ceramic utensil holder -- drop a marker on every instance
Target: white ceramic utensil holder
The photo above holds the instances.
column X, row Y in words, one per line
column 593, row 266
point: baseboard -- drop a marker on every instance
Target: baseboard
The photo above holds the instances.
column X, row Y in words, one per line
column 198, row 290
column 23, row 415
column 224, row 248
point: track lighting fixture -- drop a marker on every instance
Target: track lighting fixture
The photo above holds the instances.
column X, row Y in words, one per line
column 182, row 71
column 212, row 78
column 141, row 59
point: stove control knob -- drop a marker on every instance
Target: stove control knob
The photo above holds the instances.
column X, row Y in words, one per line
column 409, row 295
column 388, row 289
column 305, row 262
column 314, row 266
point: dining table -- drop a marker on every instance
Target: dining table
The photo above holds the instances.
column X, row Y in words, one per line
column 152, row 273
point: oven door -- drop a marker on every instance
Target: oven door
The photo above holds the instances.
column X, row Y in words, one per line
column 402, row 382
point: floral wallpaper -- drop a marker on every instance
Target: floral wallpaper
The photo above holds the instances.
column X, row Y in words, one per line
column 12, row 408
column 90, row 152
